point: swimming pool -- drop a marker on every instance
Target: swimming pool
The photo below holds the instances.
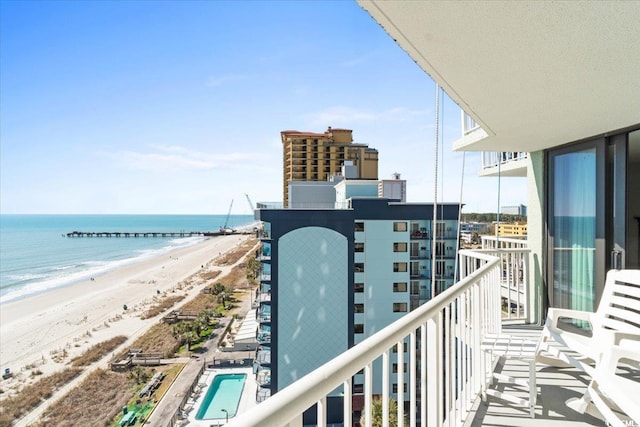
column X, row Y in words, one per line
column 224, row 393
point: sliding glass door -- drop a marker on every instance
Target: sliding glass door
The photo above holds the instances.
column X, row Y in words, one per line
column 593, row 217
column 573, row 226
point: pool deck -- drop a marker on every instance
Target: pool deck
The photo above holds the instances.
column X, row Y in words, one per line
column 247, row 400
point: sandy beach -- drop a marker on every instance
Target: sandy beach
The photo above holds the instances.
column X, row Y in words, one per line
column 45, row 331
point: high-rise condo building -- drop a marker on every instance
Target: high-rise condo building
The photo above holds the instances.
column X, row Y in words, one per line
column 309, row 156
column 334, row 275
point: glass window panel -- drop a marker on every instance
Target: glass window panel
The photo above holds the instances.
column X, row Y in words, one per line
column 574, row 229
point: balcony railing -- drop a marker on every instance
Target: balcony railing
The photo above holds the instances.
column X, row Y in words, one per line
column 264, row 297
column 419, row 235
column 264, row 337
column 263, row 356
column 264, row 277
column 468, row 124
column 423, row 254
column 444, row 335
column 264, row 316
column 492, row 159
column 304, row 205
column 420, row 275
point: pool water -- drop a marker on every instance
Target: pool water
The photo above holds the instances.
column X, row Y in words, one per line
column 224, row 392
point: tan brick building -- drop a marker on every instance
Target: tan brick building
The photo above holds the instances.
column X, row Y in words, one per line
column 310, row 156
column 511, row 229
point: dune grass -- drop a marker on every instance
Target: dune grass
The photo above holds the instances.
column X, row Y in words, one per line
column 97, row 401
column 161, row 306
column 98, row 351
column 14, row 407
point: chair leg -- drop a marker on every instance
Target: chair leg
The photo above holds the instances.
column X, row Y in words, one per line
column 533, row 394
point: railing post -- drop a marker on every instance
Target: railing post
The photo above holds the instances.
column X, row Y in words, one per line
column 477, row 324
column 322, row 412
column 367, row 395
column 434, row 362
column 412, row 379
column 347, row 406
column 446, row 356
column 423, row 375
column 400, row 388
column 385, row 389
column 530, row 291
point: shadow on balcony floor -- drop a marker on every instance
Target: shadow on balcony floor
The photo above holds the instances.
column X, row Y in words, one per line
column 555, row 387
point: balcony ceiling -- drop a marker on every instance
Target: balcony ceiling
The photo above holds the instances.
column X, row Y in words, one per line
column 533, row 74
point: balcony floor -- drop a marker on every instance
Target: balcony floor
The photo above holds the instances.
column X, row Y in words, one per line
column 555, row 387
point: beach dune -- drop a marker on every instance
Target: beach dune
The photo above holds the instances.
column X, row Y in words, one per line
column 45, row 331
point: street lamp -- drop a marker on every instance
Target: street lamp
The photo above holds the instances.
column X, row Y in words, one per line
column 226, row 415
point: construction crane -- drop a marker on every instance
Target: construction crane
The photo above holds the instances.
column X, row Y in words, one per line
column 224, row 228
column 251, row 205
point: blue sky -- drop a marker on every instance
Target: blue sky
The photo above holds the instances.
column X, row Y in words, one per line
column 177, row 107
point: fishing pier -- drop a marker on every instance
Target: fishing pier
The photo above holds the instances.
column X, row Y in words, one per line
column 221, row 232
column 141, row 233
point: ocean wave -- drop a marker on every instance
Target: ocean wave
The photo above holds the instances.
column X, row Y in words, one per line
column 25, row 277
column 66, row 267
column 64, row 276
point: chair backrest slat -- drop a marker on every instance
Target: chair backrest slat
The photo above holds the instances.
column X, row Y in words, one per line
column 619, row 308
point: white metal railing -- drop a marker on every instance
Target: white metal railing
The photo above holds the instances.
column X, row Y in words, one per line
column 495, row 242
column 491, row 159
column 514, row 289
column 443, row 335
column 305, row 205
column 468, row 124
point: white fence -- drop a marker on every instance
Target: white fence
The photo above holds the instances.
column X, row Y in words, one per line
column 444, row 335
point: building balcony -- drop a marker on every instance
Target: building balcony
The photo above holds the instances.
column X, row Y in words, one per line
column 419, row 255
column 420, row 295
column 471, row 131
column 262, row 394
column 263, row 377
column 420, row 275
column 419, row 235
column 263, row 337
column 504, row 164
column 263, row 316
column 264, row 277
column 264, row 297
column 452, row 384
column 265, row 232
column 263, row 356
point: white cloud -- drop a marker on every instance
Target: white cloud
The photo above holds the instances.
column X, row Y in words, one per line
column 174, row 157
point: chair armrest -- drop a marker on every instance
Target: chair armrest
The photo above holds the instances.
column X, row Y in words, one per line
column 612, row 356
column 555, row 314
column 626, row 340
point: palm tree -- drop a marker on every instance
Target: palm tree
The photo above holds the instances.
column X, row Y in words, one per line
column 139, row 375
column 253, row 268
column 218, row 288
column 187, row 338
column 222, row 296
column 376, row 413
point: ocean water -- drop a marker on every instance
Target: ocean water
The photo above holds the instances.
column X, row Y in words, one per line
column 36, row 255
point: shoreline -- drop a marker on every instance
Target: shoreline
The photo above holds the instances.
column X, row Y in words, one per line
column 84, row 276
column 45, row 331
